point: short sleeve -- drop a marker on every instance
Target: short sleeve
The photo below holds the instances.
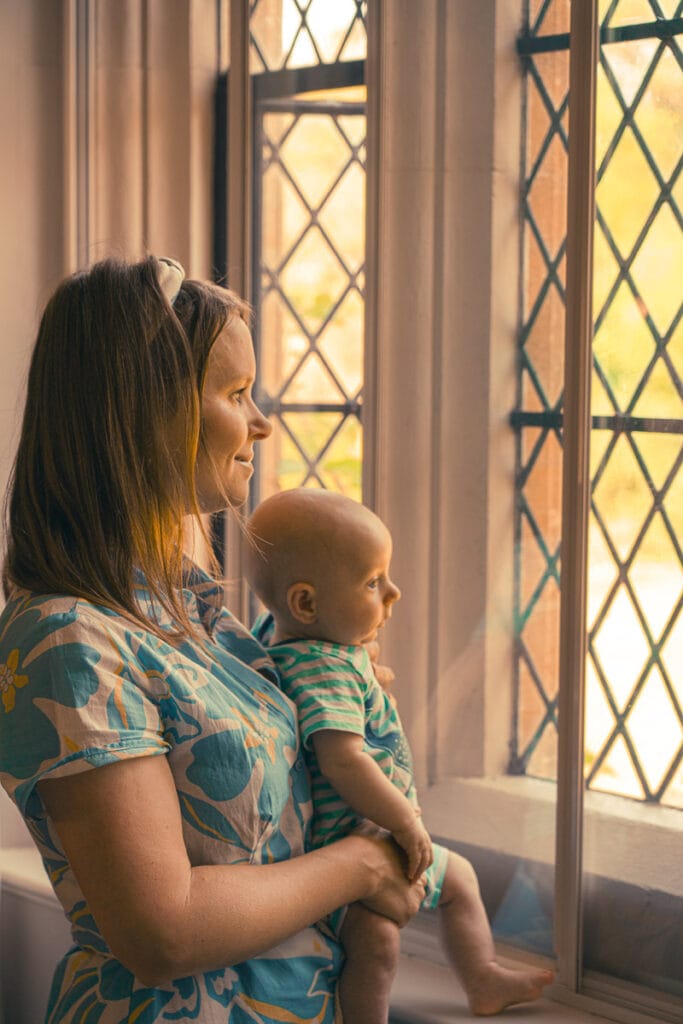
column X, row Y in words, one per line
column 328, row 689
column 73, row 699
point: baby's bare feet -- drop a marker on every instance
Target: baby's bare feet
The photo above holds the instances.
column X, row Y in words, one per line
column 498, row 987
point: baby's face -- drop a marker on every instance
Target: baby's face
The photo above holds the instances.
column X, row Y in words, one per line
column 355, row 592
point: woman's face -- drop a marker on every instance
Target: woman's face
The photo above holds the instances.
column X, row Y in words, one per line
column 231, row 422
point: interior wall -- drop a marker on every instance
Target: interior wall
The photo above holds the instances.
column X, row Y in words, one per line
column 106, row 109
column 442, row 310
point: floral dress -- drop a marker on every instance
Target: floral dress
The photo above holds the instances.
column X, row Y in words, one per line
column 80, row 687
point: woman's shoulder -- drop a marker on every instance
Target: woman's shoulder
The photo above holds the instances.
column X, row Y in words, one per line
column 31, row 620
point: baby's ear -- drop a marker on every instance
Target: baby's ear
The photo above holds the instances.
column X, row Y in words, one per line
column 301, row 603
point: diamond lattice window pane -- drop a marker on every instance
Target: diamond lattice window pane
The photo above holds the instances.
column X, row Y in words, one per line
column 548, row 364
column 661, row 453
column 313, row 383
column 608, row 115
column 605, row 271
column 539, row 123
column 661, row 394
column 286, row 344
column 657, row 577
column 626, row 193
column 343, row 212
column 658, row 268
column 628, row 63
column 313, row 431
column 356, row 45
column 655, row 729
column 622, row 497
column 330, row 24
column 314, row 280
column 660, row 113
column 599, row 720
column 550, row 182
column 314, row 153
column 540, row 636
column 621, row 648
column 543, row 491
column 534, row 568
column 292, row 469
column 273, row 25
column 542, row 762
column 341, row 343
column 617, row 773
column 533, row 709
column 549, row 16
column 341, row 465
column 623, row 347
column 285, row 217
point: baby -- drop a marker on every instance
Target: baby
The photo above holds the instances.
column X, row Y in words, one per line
column 319, row 562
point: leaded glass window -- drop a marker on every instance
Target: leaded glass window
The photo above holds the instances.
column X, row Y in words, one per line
column 307, row 63
column 634, row 690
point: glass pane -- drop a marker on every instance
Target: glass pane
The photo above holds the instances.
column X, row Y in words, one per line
column 539, row 450
column 309, row 250
column 632, row 884
column 303, row 33
column 525, row 916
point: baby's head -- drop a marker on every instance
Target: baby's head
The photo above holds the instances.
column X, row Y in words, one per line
column 320, row 563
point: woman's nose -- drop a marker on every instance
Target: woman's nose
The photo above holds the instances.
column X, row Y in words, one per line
column 260, row 426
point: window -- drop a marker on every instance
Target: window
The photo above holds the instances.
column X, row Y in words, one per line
column 463, row 435
column 633, row 725
column 634, row 741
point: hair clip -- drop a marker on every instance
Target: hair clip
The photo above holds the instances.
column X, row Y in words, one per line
column 170, row 276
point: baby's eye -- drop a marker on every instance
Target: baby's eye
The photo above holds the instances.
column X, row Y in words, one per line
column 374, row 583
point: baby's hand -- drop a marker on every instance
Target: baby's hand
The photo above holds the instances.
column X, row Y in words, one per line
column 417, row 844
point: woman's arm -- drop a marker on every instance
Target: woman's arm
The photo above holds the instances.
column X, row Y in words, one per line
column 360, row 782
column 120, row 827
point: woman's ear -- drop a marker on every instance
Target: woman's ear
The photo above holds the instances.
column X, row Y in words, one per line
column 301, row 603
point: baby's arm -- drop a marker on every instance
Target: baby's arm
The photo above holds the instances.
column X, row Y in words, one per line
column 362, row 784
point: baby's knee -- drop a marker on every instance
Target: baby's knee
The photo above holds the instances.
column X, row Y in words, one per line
column 460, row 879
column 371, row 938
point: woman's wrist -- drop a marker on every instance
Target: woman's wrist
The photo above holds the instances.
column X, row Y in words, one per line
column 366, row 851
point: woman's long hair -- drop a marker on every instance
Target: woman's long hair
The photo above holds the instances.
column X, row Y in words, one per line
column 104, row 472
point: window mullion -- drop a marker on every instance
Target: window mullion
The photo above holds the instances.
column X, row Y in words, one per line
column 576, row 488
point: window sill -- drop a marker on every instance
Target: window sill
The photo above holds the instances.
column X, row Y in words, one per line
column 427, row 993
column 514, row 815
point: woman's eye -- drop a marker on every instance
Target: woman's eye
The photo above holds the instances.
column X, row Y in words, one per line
column 237, row 396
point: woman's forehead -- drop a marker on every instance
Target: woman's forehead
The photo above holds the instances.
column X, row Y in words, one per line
column 232, row 354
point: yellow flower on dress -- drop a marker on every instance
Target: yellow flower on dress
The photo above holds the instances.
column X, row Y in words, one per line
column 9, row 682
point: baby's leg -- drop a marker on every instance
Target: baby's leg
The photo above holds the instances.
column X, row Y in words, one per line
column 469, row 946
column 372, row 945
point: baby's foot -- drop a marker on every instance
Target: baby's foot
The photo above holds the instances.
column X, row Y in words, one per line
column 498, row 987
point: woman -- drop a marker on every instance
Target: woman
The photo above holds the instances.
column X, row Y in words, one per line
column 184, row 876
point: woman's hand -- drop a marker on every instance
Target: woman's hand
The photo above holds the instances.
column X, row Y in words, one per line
column 392, row 894
column 383, row 674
